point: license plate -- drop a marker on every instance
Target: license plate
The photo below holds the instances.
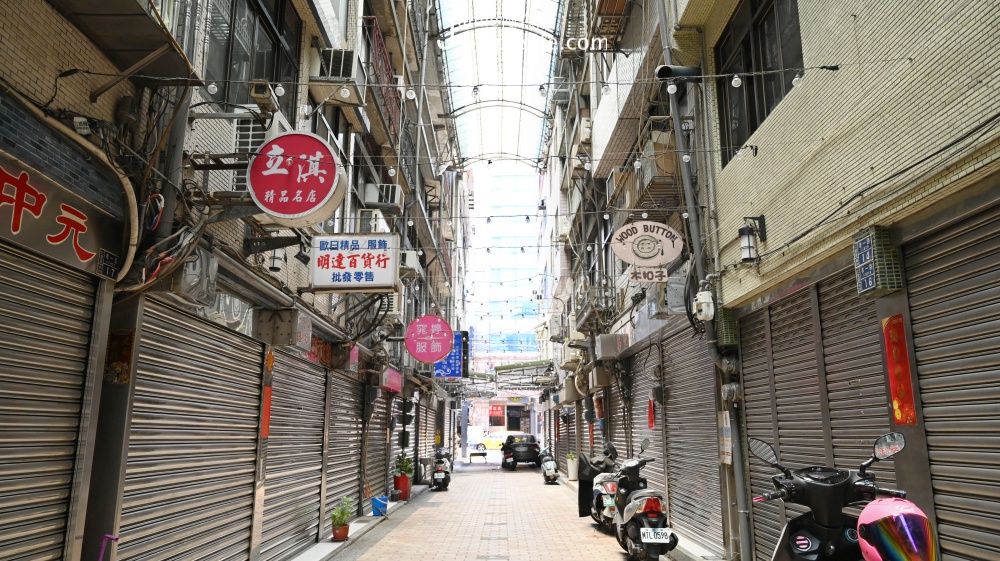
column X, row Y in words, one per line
column 654, row 535
column 609, row 500
column 438, row 476
column 521, row 448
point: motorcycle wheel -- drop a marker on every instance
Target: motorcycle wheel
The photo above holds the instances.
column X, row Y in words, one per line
column 480, row 447
column 621, row 537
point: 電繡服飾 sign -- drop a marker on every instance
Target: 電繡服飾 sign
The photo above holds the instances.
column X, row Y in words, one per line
column 429, row 338
column 355, row 262
column 647, row 244
column 294, row 179
column 451, row 365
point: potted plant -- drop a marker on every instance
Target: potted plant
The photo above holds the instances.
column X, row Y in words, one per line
column 572, row 466
column 401, row 470
column 340, row 518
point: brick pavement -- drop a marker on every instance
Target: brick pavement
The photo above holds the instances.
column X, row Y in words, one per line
column 488, row 514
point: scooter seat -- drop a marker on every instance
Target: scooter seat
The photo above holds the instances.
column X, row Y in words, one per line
column 635, row 495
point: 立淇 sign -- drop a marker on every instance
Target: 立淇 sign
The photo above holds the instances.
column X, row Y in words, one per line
column 429, row 338
column 647, row 244
column 355, row 262
column 294, row 179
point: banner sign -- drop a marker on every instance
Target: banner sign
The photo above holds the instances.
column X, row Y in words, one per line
column 391, row 381
column 451, row 366
column 293, row 178
column 647, row 244
column 897, row 362
column 496, row 410
column 429, row 338
column 356, row 262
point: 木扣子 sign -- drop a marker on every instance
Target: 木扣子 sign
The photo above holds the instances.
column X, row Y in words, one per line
column 451, row 366
column 429, row 338
column 355, row 262
column 647, row 244
column 295, row 180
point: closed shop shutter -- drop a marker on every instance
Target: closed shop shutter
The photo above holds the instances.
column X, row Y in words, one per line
column 294, row 472
column 645, row 375
column 343, row 460
column 598, row 427
column 189, row 478
column 619, row 431
column 855, row 383
column 44, row 348
column 378, row 449
column 426, row 422
column 562, row 444
column 953, row 280
column 691, row 421
column 397, row 411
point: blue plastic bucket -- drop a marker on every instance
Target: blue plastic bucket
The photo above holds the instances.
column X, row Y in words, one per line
column 380, row 505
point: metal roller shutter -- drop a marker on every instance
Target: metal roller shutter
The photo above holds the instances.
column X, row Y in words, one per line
column 855, row 386
column 562, row 444
column 598, row 427
column 426, row 424
column 294, row 472
column 953, row 280
column 394, row 440
column 645, row 375
column 44, row 348
column 769, row 516
column 691, row 422
column 343, row 460
column 378, row 449
column 192, row 453
column 619, row 429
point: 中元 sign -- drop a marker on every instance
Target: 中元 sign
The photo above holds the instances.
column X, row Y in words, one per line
column 356, row 262
column 647, row 244
column 294, row 179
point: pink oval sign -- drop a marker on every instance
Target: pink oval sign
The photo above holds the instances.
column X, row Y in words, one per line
column 429, row 338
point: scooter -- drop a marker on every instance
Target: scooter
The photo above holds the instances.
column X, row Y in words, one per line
column 641, row 515
column 508, row 460
column 887, row 529
column 550, row 469
column 441, row 476
column 602, row 507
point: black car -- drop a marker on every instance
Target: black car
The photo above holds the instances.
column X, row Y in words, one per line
column 524, row 448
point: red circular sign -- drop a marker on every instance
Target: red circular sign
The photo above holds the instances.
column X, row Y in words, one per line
column 429, row 338
column 292, row 175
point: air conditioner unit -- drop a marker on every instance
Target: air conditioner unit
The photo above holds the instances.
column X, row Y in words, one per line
column 395, row 312
column 409, row 264
column 251, row 135
column 574, row 335
column 400, row 85
column 337, row 63
column 371, row 222
column 556, row 332
column 387, row 197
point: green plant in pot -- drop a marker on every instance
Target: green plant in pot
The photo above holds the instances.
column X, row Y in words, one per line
column 340, row 518
column 401, row 470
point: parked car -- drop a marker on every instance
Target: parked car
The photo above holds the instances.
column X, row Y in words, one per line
column 492, row 442
column 525, row 449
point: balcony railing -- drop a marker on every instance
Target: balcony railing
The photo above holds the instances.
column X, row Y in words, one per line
column 386, row 94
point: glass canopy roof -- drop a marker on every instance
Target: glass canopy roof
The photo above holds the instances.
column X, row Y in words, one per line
column 498, row 54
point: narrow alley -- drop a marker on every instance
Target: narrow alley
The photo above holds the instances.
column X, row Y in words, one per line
column 490, row 514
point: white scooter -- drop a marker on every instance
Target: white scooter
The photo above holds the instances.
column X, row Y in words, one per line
column 550, row 469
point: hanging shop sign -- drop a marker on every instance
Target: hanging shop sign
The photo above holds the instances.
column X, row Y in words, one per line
column 429, row 338
column 451, row 366
column 897, row 361
column 295, row 180
column 38, row 214
column 646, row 274
column 391, row 381
column 647, row 244
column 355, row 262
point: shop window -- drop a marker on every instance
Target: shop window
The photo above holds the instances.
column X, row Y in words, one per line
column 762, row 37
column 253, row 40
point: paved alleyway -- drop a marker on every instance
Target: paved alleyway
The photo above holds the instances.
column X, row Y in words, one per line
column 487, row 514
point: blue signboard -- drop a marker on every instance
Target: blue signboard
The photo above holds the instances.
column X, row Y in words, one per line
column 864, row 263
column 451, row 366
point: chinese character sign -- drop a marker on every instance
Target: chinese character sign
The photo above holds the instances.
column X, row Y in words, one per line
column 429, row 338
column 293, row 178
column 451, row 366
column 356, row 263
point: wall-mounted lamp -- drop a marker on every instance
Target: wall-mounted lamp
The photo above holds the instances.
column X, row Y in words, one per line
column 754, row 228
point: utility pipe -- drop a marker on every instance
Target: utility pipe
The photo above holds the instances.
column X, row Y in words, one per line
column 727, row 364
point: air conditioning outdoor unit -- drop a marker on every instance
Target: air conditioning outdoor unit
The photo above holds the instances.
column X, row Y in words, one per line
column 556, row 331
column 371, row 222
column 251, row 135
column 409, row 263
column 388, row 197
column 395, row 313
column 574, row 335
column 585, row 130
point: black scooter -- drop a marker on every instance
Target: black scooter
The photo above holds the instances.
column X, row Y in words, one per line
column 641, row 514
column 441, row 476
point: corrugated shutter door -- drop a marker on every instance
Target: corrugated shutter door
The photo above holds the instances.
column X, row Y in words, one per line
column 426, row 422
column 768, row 516
column 293, row 476
column 44, row 348
column 394, row 440
column 598, row 428
column 619, row 429
column 855, row 386
column 377, row 470
column 645, row 375
column 691, row 424
column 343, row 460
column 953, row 280
column 563, row 446
column 192, row 452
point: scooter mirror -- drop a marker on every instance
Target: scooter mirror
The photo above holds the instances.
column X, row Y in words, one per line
column 762, row 450
column 643, row 445
column 610, row 451
column 888, row 445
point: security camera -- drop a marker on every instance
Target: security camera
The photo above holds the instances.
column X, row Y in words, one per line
column 262, row 94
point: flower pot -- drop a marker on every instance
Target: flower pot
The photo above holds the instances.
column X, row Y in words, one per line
column 340, row 533
column 572, row 469
column 402, row 484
